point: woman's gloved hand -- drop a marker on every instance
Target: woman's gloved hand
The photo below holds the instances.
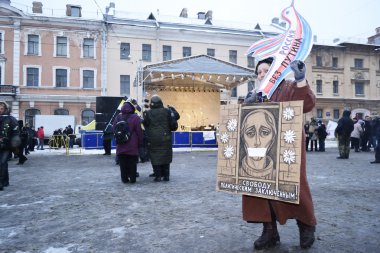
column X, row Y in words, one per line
column 299, row 69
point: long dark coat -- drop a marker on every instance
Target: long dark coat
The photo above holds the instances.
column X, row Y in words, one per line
column 159, row 135
column 257, row 209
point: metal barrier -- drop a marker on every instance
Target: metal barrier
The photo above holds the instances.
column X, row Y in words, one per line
column 194, row 139
column 58, row 141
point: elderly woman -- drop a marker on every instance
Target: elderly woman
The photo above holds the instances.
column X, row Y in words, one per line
column 258, row 134
column 268, row 211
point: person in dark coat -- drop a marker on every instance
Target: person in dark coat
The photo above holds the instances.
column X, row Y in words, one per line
column 376, row 130
column 9, row 132
column 322, row 134
column 32, row 138
column 70, row 134
column 128, row 153
column 343, row 133
column 107, row 139
column 159, row 138
column 306, row 129
column 268, row 212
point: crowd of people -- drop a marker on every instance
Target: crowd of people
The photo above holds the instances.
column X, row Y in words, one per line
column 358, row 134
column 63, row 138
column 316, row 134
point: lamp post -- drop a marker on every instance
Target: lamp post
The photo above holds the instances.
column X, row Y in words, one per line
column 139, row 81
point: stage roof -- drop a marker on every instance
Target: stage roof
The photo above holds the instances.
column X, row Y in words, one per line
column 196, row 71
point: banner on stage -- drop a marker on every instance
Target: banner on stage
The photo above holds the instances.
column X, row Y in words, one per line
column 259, row 150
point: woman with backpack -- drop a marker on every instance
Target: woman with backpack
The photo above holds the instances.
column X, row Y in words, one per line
column 129, row 137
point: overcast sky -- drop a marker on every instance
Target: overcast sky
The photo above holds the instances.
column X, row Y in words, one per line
column 328, row 19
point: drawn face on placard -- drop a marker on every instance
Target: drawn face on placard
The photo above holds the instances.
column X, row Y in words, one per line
column 258, row 132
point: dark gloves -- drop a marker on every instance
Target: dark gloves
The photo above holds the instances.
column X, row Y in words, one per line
column 254, row 97
column 299, row 69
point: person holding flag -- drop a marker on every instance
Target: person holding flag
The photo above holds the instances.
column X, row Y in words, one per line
column 277, row 57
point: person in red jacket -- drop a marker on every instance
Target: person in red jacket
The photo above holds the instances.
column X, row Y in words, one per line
column 40, row 136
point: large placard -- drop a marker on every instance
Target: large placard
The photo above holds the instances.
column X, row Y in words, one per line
column 259, row 150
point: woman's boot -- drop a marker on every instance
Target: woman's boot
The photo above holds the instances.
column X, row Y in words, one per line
column 157, row 173
column 269, row 237
column 307, row 237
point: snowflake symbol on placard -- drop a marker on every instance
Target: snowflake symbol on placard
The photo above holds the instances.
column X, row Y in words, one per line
column 224, row 138
column 289, row 156
column 228, row 151
column 232, row 125
column 288, row 113
column 289, row 136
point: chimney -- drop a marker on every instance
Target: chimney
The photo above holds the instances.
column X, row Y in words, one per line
column 315, row 38
column 209, row 15
column 183, row 13
column 110, row 10
column 257, row 27
column 8, row 2
column 37, row 7
column 377, row 30
column 201, row 15
column 275, row 21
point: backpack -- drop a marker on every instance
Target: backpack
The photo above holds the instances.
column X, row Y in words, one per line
column 173, row 117
column 121, row 132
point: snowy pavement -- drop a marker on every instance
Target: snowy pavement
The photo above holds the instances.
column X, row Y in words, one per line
column 60, row 203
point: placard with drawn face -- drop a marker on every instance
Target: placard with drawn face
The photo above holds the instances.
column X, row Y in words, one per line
column 259, row 150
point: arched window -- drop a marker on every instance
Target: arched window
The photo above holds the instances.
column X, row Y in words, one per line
column 61, row 111
column 87, row 116
column 29, row 116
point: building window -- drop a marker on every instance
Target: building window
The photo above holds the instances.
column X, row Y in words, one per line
column 319, row 86
column 233, row 56
column 320, row 113
column 336, row 113
column 88, row 79
column 33, row 44
column 358, row 63
column 61, row 111
column 319, row 61
column 166, row 53
column 30, row 115
column 211, row 52
column 251, row 85
column 32, row 77
column 186, row 51
column 125, row 51
column 335, row 87
column 88, row 48
column 61, row 46
column 1, row 74
column 125, row 84
column 250, row 61
column 146, row 52
column 359, row 89
column 61, row 78
column 1, row 43
column 335, row 62
column 234, row 92
column 88, row 116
